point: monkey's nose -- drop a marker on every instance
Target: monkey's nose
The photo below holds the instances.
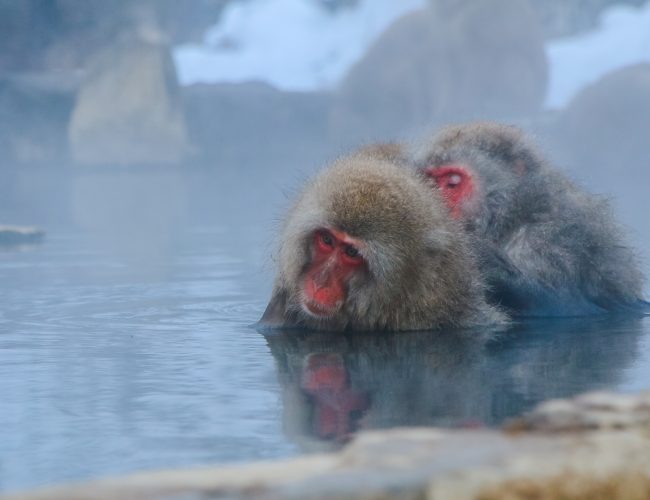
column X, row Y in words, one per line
column 324, row 295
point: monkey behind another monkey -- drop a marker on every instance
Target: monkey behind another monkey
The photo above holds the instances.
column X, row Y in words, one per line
column 367, row 247
column 547, row 247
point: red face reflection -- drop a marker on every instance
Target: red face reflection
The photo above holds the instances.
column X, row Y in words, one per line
column 337, row 408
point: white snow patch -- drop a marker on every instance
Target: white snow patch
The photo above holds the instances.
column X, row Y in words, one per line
column 292, row 44
column 299, row 45
column 622, row 38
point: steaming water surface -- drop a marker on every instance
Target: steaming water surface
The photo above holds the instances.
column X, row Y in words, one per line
column 113, row 362
column 107, row 370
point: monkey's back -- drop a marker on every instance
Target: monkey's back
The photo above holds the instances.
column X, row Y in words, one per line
column 547, row 247
column 574, row 257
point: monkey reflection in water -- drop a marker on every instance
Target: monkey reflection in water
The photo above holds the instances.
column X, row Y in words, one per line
column 368, row 246
column 336, row 408
column 334, row 384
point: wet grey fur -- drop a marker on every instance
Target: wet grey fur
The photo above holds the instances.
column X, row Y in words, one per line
column 420, row 272
column 547, row 247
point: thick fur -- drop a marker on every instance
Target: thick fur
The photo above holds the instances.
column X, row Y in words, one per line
column 547, row 247
column 420, row 272
column 389, row 151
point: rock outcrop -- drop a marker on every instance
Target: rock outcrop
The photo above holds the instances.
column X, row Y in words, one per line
column 34, row 112
column 129, row 110
column 453, row 61
column 256, row 123
column 603, row 125
column 594, row 446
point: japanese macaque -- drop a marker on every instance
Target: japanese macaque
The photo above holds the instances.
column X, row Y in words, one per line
column 546, row 247
column 367, row 247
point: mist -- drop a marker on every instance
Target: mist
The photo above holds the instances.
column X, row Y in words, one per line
column 157, row 145
column 98, row 133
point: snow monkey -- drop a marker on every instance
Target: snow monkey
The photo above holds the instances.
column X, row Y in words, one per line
column 367, row 247
column 546, row 247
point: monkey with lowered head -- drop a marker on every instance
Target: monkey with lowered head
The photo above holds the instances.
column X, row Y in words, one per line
column 367, row 247
column 546, row 247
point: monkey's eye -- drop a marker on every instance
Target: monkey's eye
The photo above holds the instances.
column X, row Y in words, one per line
column 352, row 254
column 325, row 241
column 454, row 180
column 350, row 251
column 449, row 177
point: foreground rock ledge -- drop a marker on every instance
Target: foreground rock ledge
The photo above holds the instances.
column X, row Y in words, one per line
column 593, row 446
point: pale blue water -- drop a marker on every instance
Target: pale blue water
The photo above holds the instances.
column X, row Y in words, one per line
column 105, row 370
column 131, row 347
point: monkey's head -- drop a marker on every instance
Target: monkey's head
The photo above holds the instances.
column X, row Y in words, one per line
column 365, row 247
column 480, row 169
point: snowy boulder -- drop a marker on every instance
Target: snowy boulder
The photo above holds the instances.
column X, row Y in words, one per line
column 497, row 61
column 457, row 61
column 396, row 87
column 621, row 39
column 129, row 110
column 602, row 136
column 309, row 51
column 607, row 124
column 594, row 446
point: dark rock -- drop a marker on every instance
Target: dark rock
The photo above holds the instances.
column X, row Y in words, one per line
column 396, row 87
column 602, row 136
column 607, row 123
column 458, row 61
column 61, row 35
column 34, row 112
column 256, row 123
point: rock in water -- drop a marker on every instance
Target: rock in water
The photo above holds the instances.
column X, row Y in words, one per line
column 129, row 109
column 20, row 235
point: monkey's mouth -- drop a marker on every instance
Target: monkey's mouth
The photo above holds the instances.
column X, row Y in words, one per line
column 319, row 310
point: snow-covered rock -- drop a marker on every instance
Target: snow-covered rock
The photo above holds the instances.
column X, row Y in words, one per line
column 483, row 59
column 301, row 45
column 291, row 44
column 606, row 127
column 623, row 38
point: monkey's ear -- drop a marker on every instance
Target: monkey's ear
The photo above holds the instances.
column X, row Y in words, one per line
column 274, row 315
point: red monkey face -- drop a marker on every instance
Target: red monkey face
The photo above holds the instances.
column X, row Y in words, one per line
column 336, row 258
column 457, row 185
